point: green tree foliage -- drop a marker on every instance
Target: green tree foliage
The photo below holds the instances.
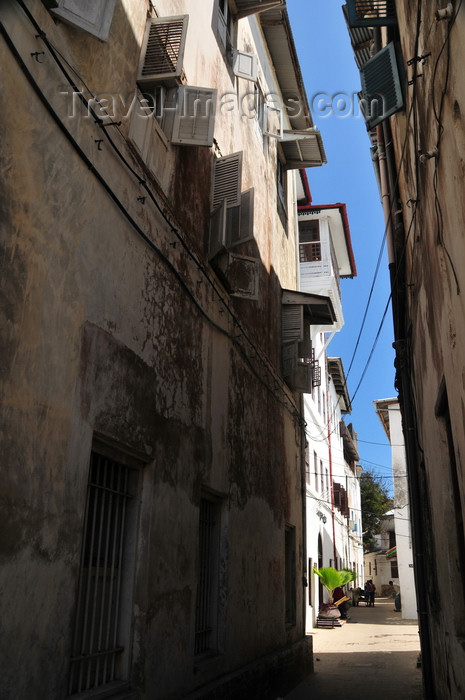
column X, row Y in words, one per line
column 375, row 502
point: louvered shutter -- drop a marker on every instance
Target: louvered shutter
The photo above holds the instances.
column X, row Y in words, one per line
column 217, row 234
column 194, row 119
column 252, row 7
column 292, row 322
column 245, row 65
column 93, row 16
column 227, row 180
column 302, row 149
column 240, row 220
column 305, row 345
column 162, row 52
column 381, row 90
column 371, row 13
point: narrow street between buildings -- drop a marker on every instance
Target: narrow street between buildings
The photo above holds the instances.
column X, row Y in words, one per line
column 373, row 656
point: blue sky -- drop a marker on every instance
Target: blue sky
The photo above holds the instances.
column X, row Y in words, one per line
column 328, row 68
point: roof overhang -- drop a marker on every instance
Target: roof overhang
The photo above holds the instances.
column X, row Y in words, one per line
column 336, row 372
column 318, row 308
column 350, row 450
column 382, row 410
column 247, row 7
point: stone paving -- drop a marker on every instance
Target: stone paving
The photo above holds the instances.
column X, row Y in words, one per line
column 373, row 656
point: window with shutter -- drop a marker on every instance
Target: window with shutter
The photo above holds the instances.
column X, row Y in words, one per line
column 93, row 16
column 194, row 118
column 162, row 53
column 302, row 148
column 232, row 219
column 381, row 89
column 371, row 13
column 217, row 235
column 225, row 23
column 240, row 220
column 227, row 180
column 292, row 322
column 305, row 350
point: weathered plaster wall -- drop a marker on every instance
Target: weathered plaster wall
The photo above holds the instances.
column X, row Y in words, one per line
column 106, row 335
column 435, row 310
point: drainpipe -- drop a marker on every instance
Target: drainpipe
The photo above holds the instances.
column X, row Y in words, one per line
column 385, row 193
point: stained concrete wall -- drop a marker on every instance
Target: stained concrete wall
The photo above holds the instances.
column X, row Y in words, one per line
column 430, row 312
column 119, row 329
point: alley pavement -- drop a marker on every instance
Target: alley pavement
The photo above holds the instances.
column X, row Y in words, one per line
column 373, row 656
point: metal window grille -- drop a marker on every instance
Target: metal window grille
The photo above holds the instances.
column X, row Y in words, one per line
column 97, row 645
column 208, row 545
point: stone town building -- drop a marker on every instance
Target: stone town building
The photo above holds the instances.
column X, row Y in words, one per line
column 333, row 512
column 152, row 538
column 411, row 57
column 399, row 556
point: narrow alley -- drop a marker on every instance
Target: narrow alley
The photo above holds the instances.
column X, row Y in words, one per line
column 372, row 656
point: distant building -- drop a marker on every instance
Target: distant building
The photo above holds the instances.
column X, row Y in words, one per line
column 401, row 553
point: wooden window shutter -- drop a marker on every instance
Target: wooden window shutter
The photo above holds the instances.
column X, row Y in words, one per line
column 240, row 220
column 194, row 119
column 381, row 90
column 217, row 234
column 93, row 16
column 371, row 13
column 292, row 322
column 305, row 345
column 245, row 65
column 252, row 7
column 227, row 180
column 162, row 53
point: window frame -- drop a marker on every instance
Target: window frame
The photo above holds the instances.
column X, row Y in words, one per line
column 207, row 606
column 119, row 506
column 290, row 576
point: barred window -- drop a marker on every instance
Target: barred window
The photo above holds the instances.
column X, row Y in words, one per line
column 100, row 641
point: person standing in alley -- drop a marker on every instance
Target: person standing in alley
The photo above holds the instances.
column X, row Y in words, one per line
column 371, row 590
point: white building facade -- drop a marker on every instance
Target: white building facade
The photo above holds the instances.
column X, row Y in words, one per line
column 333, row 513
column 388, row 411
